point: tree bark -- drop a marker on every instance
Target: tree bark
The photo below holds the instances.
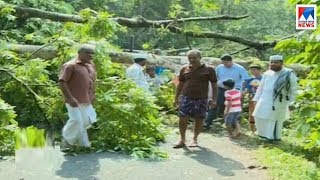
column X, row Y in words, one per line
column 171, row 62
column 26, row 12
column 140, row 22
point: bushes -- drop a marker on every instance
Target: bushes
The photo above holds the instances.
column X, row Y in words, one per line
column 128, row 119
column 7, row 127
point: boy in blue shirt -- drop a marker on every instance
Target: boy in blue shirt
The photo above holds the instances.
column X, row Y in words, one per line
column 251, row 87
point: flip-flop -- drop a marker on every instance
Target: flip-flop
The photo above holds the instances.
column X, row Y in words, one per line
column 179, row 145
column 193, row 144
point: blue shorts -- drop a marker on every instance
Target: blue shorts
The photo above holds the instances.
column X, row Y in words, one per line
column 194, row 108
column 232, row 118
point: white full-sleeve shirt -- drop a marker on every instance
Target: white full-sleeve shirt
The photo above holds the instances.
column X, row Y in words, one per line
column 135, row 73
column 264, row 97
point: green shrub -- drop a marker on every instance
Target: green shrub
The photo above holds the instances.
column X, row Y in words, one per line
column 128, row 119
column 7, row 127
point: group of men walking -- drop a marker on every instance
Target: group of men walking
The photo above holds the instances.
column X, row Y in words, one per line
column 270, row 95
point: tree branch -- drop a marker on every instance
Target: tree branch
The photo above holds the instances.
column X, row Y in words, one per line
column 239, row 51
column 35, row 96
column 26, row 12
column 212, row 18
column 140, row 22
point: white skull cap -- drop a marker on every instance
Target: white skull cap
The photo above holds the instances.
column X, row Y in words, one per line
column 276, row 58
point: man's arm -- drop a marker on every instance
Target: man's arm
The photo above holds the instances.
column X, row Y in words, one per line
column 214, row 87
column 244, row 77
column 294, row 86
column 67, row 94
column 178, row 91
column 213, row 102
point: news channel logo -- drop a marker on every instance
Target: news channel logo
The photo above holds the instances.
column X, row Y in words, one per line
column 306, row 16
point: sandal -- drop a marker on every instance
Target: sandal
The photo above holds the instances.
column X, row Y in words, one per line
column 193, row 144
column 181, row 144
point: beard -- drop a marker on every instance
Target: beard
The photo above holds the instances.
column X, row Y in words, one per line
column 275, row 68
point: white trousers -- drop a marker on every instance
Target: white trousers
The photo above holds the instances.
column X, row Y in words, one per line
column 80, row 119
column 270, row 129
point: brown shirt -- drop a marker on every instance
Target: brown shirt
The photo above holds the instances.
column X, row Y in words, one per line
column 80, row 79
column 196, row 81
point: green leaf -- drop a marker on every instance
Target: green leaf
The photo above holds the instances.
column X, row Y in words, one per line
column 308, row 112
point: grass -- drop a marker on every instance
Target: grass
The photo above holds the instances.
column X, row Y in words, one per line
column 285, row 165
column 287, row 159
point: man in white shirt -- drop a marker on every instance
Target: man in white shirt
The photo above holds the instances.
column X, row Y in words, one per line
column 135, row 73
column 274, row 95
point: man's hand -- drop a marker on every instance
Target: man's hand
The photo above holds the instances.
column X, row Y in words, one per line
column 212, row 104
column 225, row 113
column 254, row 103
column 176, row 103
column 73, row 102
column 291, row 107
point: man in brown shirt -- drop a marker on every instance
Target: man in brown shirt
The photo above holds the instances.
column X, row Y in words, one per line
column 76, row 81
column 192, row 95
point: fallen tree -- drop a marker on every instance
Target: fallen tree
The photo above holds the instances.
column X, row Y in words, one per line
column 24, row 13
column 171, row 62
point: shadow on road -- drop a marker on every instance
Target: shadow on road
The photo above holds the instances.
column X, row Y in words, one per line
column 85, row 166
column 224, row 166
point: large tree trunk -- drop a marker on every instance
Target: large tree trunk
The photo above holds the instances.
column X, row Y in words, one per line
column 171, row 62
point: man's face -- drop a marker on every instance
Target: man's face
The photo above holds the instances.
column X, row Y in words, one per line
column 227, row 63
column 151, row 72
column 142, row 63
column 86, row 56
column 275, row 65
column 193, row 58
column 255, row 71
column 226, row 87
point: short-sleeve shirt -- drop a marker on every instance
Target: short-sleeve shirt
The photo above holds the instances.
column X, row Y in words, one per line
column 196, row 81
column 236, row 72
column 233, row 96
column 80, row 78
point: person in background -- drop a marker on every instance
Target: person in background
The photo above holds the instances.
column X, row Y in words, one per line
column 227, row 70
column 135, row 73
column 153, row 79
column 76, row 80
column 251, row 87
column 275, row 94
column 233, row 108
column 192, row 95
column 157, row 52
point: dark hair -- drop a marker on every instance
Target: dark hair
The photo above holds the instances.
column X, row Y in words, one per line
column 257, row 66
column 150, row 68
column 226, row 57
column 139, row 59
column 229, row 83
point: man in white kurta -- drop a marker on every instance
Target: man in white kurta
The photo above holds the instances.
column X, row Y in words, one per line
column 135, row 73
column 273, row 97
